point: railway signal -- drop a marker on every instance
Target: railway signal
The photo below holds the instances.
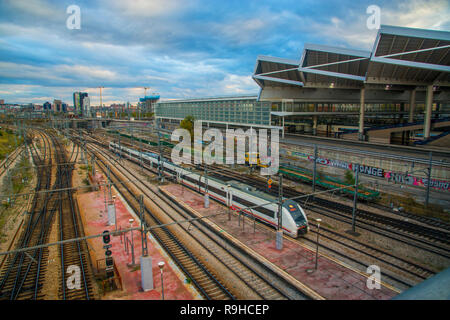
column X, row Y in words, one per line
column 106, row 237
column 109, row 262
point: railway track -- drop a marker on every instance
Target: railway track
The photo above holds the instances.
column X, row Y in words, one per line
column 405, row 267
column 399, row 224
column 428, row 236
column 72, row 253
column 21, row 276
column 411, row 272
column 205, row 281
column 249, row 272
column 6, row 163
column 434, row 222
column 416, row 235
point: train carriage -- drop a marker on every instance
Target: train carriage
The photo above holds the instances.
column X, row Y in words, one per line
column 237, row 195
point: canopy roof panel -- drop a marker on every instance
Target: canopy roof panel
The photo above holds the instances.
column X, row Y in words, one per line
column 400, row 56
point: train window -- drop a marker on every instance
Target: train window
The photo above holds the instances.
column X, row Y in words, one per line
column 294, row 210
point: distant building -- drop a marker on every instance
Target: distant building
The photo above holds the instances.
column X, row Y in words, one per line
column 147, row 103
column 57, row 105
column 81, row 103
column 64, row 107
column 2, row 101
column 47, row 106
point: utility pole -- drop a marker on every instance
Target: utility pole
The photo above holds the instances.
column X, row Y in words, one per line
column 427, row 197
column 143, row 232
column 206, row 198
column 279, row 236
column 101, row 104
column 145, row 95
column 314, row 170
column 355, row 202
column 160, row 152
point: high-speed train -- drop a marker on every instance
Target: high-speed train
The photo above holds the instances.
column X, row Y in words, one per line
column 237, row 195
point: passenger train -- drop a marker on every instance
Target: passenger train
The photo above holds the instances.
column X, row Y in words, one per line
column 237, row 195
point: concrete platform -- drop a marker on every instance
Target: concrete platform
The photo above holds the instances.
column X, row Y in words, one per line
column 92, row 211
column 333, row 280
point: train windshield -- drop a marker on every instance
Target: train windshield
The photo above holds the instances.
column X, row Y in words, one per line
column 295, row 211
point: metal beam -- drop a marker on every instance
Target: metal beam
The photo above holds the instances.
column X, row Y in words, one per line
column 412, row 64
column 332, row 74
column 296, row 83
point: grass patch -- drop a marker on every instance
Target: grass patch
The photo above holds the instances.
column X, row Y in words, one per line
column 8, row 142
column 18, row 180
column 410, row 205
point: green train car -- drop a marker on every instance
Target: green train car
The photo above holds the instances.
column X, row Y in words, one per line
column 327, row 182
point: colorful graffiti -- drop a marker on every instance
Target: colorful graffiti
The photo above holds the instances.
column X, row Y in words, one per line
column 395, row 177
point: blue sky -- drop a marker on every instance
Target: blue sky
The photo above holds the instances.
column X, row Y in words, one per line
column 178, row 48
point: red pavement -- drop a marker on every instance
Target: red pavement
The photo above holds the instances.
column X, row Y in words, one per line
column 92, row 208
column 331, row 280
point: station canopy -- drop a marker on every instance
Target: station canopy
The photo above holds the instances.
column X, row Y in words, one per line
column 400, row 57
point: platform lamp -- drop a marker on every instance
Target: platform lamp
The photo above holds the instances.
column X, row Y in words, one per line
column 317, row 241
column 161, row 266
column 115, row 213
column 318, row 220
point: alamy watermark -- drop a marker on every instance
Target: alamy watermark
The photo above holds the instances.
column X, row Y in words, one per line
column 374, row 281
column 74, row 20
column 258, row 148
column 374, row 20
column 74, row 280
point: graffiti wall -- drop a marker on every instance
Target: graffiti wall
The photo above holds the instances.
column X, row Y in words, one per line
column 394, row 177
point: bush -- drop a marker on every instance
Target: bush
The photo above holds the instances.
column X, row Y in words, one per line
column 349, row 178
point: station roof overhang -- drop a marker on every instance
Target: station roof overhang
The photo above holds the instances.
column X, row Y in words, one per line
column 272, row 71
column 401, row 59
column 407, row 56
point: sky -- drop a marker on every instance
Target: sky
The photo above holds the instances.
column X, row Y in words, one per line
column 177, row 48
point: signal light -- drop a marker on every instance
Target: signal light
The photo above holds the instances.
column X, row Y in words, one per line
column 106, row 237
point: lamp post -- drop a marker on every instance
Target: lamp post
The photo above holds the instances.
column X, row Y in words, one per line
column 317, row 241
column 132, row 242
column 317, row 247
column 161, row 266
column 115, row 214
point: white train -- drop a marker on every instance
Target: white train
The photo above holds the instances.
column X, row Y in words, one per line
column 234, row 194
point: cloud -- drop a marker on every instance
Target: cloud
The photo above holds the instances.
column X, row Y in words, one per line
column 177, row 48
column 351, row 29
column 419, row 14
column 146, row 8
column 38, row 8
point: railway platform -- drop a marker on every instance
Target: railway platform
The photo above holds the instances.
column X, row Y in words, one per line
column 332, row 280
column 95, row 221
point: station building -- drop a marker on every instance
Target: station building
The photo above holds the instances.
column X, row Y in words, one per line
column 224, row 112
column 398, row 92
column 400, row 87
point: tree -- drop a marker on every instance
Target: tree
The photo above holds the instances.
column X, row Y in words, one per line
column 188, row 124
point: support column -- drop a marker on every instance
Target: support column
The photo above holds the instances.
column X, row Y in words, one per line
column 428, row 106
column 361, row 115
column 314, row 125
column 412, row 105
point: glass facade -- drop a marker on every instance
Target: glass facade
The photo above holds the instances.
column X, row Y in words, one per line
column 248, row 111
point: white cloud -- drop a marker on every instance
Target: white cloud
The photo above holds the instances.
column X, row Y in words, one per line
column 149, row 8
column 83, row 71
column 353, row 31
column 419, row 14
column 38, row 8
